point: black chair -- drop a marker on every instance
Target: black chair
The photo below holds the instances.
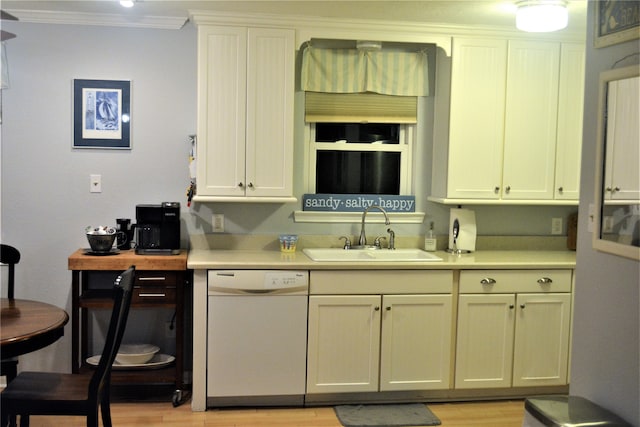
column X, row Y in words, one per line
column 47, row 393
column 9, row 256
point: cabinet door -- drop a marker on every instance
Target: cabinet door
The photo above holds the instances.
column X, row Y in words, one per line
column 569, row 136
column 222, row 94
column 270, row 87
column 343, row 343
column 541, row 351
column 530, row 120
column 623, row 133
column 484, row 351
column 476, row 127
column 416, row 342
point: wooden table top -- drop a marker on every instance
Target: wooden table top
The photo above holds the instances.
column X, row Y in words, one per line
column 29, row 325
column 122, row 260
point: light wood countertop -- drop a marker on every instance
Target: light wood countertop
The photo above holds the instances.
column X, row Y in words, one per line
column 270, row 259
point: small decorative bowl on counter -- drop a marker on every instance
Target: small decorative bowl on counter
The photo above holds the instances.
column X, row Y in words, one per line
column 288, row 242
column 136, row 354
column 101, row 238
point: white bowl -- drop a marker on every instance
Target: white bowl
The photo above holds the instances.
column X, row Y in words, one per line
column 136, row 354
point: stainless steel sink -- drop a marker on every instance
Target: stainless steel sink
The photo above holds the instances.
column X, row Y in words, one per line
column 356, row 255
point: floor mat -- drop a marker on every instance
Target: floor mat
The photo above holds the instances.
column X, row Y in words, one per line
column 413, row 414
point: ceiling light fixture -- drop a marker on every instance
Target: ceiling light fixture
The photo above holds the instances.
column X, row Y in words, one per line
column 127, row 3
column 541, row 16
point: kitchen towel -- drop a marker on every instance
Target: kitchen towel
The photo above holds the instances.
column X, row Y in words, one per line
column 397, row 415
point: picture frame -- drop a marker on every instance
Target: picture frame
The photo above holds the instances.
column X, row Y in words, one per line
column 102, row 114
column 617, row 21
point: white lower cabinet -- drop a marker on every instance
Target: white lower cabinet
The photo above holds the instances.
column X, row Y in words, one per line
column 513, row 328
column 382, row 342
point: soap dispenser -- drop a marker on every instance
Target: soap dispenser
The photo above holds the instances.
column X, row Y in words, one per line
column 430, row 241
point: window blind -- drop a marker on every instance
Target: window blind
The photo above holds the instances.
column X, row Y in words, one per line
column 360, row 107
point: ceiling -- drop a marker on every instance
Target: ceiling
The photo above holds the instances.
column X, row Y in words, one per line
column 483, row 13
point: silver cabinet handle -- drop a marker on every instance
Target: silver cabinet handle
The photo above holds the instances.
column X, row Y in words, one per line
column 153, row 295
column 496, row 189
column 152, row 279
column 508, row 189
column 487, row 281
column 545, row 280
column 240, row 185
column 251, row 185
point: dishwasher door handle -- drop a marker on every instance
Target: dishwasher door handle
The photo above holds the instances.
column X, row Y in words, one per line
column 221, row 291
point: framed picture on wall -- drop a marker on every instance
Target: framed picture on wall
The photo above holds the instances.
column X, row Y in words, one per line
column 102, row 114
column 616, row 22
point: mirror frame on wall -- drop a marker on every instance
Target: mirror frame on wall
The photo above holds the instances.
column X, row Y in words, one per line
column 600, row 244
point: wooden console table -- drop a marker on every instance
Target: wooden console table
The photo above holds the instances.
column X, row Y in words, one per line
column 161, row 281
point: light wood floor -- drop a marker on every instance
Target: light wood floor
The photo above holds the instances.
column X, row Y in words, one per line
column 468, row 414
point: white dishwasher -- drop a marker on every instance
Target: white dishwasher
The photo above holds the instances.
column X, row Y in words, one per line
column 256, row 337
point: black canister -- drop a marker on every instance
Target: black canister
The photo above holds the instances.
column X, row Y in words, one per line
column 124, row 225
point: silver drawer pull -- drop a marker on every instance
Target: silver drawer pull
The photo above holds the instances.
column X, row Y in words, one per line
column 488, row 281
column 152, row 279
column 545, row 280
column 153, row 295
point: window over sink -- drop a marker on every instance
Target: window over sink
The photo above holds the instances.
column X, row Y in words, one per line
column 360, row 158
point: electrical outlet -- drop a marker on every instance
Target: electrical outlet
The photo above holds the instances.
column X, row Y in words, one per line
column 218, row 223
column 556, row 225
column 95, row 183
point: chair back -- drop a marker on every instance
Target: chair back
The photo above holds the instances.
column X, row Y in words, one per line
column 123, row 292
column 10, row 256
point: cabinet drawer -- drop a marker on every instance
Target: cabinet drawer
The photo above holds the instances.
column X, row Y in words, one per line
column 153, row 295
column 507, row 281
column 156, row 278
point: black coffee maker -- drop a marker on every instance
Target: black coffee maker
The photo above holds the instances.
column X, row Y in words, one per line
column 158, row 229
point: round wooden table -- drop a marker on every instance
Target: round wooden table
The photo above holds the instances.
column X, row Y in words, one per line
column 27, row 326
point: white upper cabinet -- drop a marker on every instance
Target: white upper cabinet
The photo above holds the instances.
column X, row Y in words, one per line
column 530, row 120
column 245, row 114
column 622, row 179
column 477, row 118
column 515, row 117
column 570, row 112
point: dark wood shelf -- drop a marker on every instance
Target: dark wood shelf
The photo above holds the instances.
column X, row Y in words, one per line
column 162, row 376
column 161, row 282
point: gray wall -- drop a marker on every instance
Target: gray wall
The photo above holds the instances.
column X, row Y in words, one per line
column 605, row 365
column 45, row 183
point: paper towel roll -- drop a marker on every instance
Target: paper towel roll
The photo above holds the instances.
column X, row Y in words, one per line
column 466, row 240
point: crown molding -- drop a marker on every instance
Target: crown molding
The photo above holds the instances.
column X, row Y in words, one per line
column 97, row 19
column 369, row 29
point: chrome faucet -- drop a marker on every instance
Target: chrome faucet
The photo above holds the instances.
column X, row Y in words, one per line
column 362, row 241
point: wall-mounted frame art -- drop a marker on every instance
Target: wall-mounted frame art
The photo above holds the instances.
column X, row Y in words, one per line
column 616, row 22
column 102, row 114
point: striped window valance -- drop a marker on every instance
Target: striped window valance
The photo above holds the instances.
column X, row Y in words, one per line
column 357, row 71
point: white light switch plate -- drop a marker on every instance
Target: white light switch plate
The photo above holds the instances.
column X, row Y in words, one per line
column 95, row 183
